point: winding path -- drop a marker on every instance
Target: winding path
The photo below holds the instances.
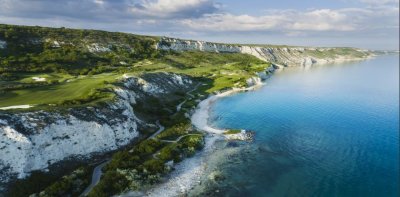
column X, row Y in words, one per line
column 172, row 141
column 97, row 170
column 160, row 129
column 179, row 138
column 179, row 106
column 95, row 177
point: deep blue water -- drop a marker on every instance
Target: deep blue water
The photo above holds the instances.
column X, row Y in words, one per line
column 329, row 130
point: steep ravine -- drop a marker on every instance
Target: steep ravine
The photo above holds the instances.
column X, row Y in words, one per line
column 35, row 140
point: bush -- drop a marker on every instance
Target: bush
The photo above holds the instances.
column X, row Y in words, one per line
column 192, row 141
column 170, row 152
column 33, row 184
column 147, row 147
column 154, row 166
column 111, row 183
column 175, row 131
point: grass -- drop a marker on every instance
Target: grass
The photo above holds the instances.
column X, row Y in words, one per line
column 232, row 131
column 79, row 87
column 331, row 53
column 225, row 70
column 217, row 71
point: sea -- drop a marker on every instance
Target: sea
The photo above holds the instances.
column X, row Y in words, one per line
column 321, row 130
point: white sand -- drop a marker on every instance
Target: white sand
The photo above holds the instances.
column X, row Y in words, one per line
column 38, row 79
column 188, row 173
column 201, row 115
column 16, row 107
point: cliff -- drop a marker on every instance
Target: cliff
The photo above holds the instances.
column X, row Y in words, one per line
column 279, row 55
column 35, row 140
column 61, row 61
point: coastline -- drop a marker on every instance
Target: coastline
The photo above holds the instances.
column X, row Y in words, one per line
column 187, row 173
column 200, row 117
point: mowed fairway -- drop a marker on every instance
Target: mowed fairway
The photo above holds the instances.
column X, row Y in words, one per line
column 53, row 94
column 225, row 70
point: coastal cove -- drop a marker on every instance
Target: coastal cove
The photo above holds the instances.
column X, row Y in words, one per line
column 329, row 130
column 315, row 136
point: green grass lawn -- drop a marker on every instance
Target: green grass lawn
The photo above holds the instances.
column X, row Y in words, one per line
column 53, row 94
column 224, row 70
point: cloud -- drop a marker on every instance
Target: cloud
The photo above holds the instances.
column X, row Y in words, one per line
column 174, row 8
column 208, row 19
column 342, row 20
column 197, row 15
column 87, row 10
column 107, row 10
column 380, row 2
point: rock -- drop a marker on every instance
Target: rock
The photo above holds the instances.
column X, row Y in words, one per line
column 35, row 140
column 216, row 176
column 242, row 136
column 280, row 56
column 253, row 81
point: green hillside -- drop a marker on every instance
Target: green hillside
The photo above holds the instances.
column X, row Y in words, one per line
column 79, row 66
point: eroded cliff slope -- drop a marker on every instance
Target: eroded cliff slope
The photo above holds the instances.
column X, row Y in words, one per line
column 34, row 140
column 280, row 55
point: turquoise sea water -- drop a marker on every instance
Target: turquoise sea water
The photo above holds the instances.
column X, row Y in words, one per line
column 329, row 130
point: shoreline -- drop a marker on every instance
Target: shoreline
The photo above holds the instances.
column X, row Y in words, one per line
column 187, row 174
column 201, row 115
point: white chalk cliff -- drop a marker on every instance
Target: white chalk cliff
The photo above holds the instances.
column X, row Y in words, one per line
column 35, row 140
column 279, row 55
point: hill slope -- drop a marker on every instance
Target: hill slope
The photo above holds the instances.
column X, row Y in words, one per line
column 86, row 93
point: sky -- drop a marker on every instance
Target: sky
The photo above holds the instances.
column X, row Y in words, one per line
column 368, row 24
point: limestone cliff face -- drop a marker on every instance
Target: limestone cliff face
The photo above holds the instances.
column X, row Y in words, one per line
column 34, row 140
column 281, row 56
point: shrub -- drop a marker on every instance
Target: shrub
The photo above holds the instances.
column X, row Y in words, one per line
column 111, row 183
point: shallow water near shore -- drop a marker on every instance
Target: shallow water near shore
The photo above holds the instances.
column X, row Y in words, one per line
column 330, row 130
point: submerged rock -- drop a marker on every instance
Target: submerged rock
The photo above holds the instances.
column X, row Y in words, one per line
column 216, row 176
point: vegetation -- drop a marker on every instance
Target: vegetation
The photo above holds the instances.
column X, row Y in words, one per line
column 73, row 184
column 232, row 131
column 74, row 75
column 49, row 185
column 144, row 164
column 175, row 131
column 111, row 183
column 39, row 49
column 35, row 183
column 224, row 69
column 81, row 67
column 331, row 53
column 78, row 90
